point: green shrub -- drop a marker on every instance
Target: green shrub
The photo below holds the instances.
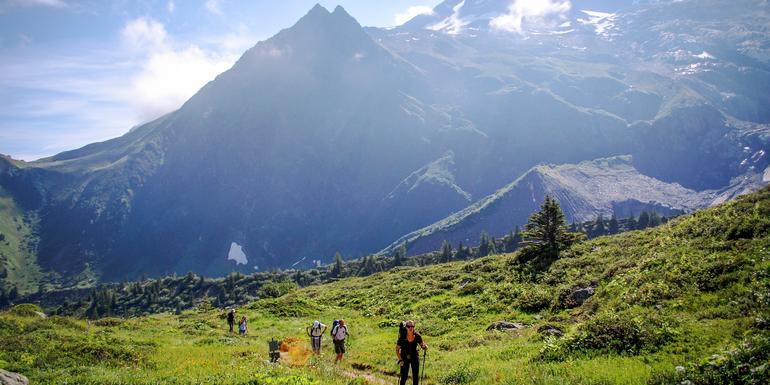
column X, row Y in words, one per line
column 745, row 364
column 27, row 310
column 461, row 375
column 276, row 289
column 109, row 322
column 611, row 333
column 534, row 299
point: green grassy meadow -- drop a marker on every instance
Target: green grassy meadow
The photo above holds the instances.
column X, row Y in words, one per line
column 687, row 301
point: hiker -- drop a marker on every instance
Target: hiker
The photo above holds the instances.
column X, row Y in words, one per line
column 406, row 351
column 339, row 333
column 242, row 326
column 231, row 319
column 316, row 332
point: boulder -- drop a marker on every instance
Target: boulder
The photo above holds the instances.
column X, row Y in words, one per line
column 9, row 378
column 577, row 296
column 504, row 325
column 550, row 330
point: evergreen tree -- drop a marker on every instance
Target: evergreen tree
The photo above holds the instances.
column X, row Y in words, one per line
column 655, row 219
column 338, row 265
column 13, row 294
column 599, row 227
column 644, row 220
column 398, row 260
column 484, row 245
column 546, row 232
column 463, row 252
column 446, row 252
column 613, row 227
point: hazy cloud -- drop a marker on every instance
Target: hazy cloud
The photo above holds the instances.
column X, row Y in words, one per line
column 35, row 3
column 411, row 12
column 214, row 7
column 170, row 6
column 531, row 11
column 144, row 33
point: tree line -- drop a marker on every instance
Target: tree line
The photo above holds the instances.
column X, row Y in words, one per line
column 541, row 240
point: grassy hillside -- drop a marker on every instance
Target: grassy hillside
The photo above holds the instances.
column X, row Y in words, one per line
column 688, row 300
column 18, row 266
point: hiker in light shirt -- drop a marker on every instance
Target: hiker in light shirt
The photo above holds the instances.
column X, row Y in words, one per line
column 339, row 333
column 316, row 332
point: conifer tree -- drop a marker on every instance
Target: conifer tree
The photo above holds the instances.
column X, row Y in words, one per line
column 599, row 227
column 337, row 268
column 484, row 245
column 398, row 260
column 546, row 232
column 463, row 252
column 613, row 226
column 446, row 252
column 644, row 220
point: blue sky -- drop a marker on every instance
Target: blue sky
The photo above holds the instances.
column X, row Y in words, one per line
column 74, row 72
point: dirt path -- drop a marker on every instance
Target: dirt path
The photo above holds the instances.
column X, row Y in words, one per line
column 366, row 376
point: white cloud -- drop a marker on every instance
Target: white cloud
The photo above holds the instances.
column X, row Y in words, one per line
column 170, row 6
column 35, row 3
column 171, row 72
column 169, row 77
column 214, row 6
column 531, row 11
column 144, row 34
column 54, row 100
column 411, row 12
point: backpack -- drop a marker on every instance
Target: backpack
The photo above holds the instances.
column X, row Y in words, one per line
column 402, row 330
column 334, row 327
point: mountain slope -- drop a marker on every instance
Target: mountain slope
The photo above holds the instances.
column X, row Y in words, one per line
column 329, row 137
column 585, row 190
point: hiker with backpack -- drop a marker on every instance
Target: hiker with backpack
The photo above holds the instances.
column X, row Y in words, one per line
column 242, row 326
column 231, row 319
column 406, row 351
column 316, row 332
column 339, row 334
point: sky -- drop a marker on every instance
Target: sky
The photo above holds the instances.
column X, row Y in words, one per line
column 74, row 72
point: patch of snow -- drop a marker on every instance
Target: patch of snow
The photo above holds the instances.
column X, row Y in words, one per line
column 766, row 176
column 296, row 263
column 601, row 21
column 236, row 254
column 453, row 24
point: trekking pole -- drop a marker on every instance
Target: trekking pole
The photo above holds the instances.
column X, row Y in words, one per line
column 424, row 358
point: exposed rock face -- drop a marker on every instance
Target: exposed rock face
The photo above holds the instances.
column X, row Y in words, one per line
column 9, row 378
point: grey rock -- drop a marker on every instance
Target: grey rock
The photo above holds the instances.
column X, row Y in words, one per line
column 10, row 378
column 550, row 330
column 505, row 325
column 578, row 296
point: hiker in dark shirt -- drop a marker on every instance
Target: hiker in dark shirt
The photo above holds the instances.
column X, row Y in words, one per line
column 231, row 319
column 406, row 351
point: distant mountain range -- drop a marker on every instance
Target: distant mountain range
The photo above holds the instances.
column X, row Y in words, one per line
column 332, row 137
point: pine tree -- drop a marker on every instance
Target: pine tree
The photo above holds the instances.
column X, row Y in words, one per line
column 644, row 220
column 484, row 244
column 546, row 232
column 655, row 219
column 599, row 228
column 338, row 265
column 446, row 252
column 463, row 252
column 613, row 226
column 398, row 260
